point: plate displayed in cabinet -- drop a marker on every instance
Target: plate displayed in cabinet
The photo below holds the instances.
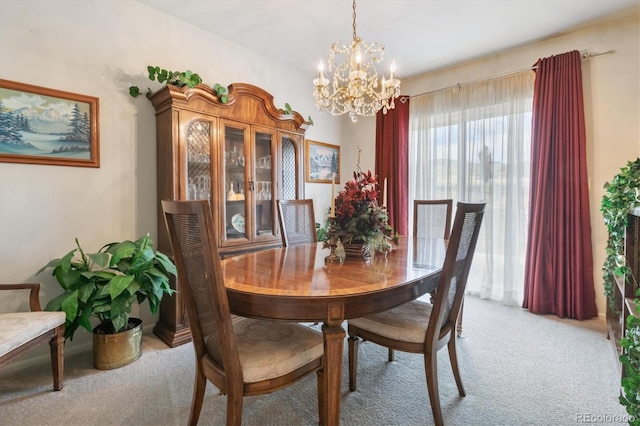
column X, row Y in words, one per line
column 237, row 221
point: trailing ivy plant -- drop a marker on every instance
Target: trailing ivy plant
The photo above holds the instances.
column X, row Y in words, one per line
column 622, row 194
column 288, row 110
column 631, row 361
column 190, row 79
column 178, row 78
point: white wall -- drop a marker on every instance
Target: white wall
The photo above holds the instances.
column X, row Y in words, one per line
column 611, row 95
column 100, row 48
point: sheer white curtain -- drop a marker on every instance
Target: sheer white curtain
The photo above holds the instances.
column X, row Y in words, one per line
column 472, row 143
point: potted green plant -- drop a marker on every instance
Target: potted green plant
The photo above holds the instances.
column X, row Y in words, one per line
column 104, row 285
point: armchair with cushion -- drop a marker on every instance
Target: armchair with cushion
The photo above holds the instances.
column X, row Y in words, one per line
column 22, row 331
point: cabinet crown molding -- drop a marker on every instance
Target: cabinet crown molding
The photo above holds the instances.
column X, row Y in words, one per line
column 172, row 95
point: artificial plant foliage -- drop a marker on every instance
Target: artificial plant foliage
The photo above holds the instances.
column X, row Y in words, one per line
column 359, row 218
column 190, row 79
column 622, row 193
column 631, row 362
column 178, row 78
column 321, row 233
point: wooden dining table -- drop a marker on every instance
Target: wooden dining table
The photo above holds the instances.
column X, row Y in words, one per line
column 294, row 283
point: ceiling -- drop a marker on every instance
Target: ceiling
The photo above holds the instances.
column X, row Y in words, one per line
column 421, row 36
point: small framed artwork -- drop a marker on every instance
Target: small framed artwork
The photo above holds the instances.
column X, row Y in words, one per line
column 46, row 126
column 322, row 162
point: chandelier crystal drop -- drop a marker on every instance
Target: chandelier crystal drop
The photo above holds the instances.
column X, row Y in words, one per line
column 355, row 87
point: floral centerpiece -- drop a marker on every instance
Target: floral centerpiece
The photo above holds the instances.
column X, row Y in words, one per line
column 359, row 218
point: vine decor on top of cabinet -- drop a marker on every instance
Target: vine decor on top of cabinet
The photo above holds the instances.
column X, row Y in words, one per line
column 242, row 155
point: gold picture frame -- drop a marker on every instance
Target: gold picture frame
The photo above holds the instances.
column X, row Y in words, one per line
column 322, row 161
column 39, row 125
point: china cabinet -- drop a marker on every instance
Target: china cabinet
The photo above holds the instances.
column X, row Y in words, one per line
column 242, row 155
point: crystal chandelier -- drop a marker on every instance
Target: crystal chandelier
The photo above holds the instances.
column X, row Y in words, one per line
column 355, row 87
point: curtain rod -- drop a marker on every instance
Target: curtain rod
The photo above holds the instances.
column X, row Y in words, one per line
column 586, row 55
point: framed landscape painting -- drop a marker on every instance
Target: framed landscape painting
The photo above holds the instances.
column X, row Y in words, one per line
column 47, row 126
column 322, row 162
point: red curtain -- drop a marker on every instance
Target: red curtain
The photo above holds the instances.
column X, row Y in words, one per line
column 392, row 147
column 559, row 262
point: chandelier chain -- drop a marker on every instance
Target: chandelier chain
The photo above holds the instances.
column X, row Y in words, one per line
column 355, row 35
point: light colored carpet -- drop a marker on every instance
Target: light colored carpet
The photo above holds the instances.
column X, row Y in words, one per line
column 517, row 368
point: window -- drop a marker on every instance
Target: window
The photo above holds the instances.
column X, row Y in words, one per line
column 472, row 143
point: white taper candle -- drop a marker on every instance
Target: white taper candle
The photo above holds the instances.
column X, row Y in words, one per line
column 384, row 194
column 333, row 198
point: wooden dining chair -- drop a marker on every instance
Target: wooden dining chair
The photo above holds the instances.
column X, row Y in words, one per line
column 241, row 357
column 421, row 327
column 22, row 331
column 297, row 222
column 432, row 218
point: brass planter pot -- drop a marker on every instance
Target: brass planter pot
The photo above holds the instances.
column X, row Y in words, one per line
column 117, row 350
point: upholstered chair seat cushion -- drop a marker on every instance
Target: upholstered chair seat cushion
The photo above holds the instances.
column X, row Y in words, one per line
column 19, row 328
column 289, row 346
column 407, row 322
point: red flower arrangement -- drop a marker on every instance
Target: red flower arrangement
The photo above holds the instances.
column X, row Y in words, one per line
column 359, row 218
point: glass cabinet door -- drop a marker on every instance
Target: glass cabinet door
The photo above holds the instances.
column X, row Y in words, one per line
column 264, row 185
column 198, row 154
column 289, row 167
column 234, row 177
